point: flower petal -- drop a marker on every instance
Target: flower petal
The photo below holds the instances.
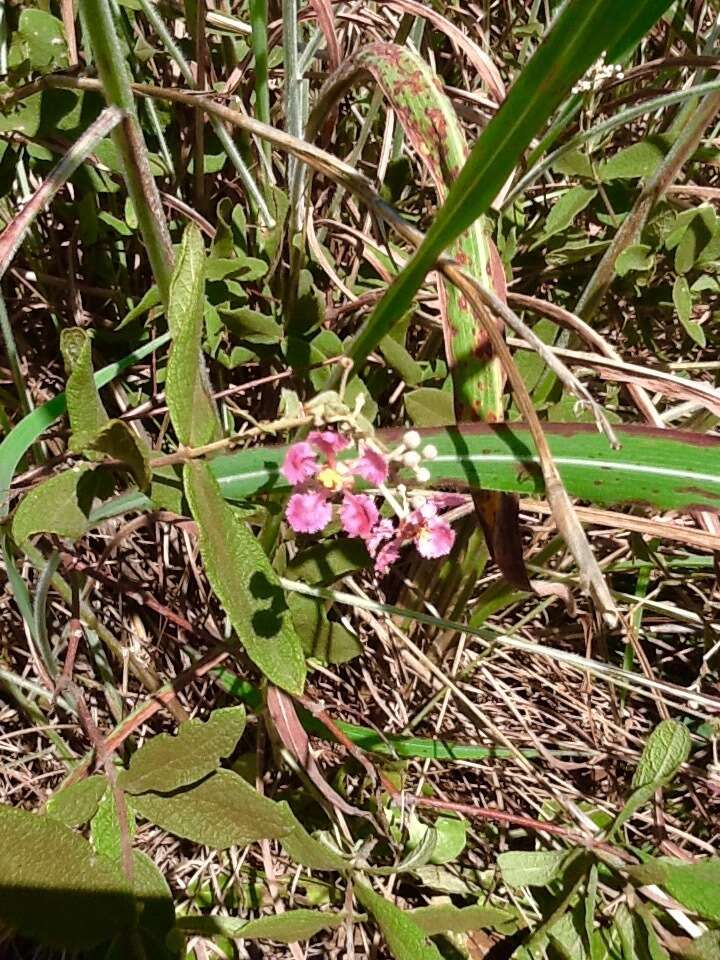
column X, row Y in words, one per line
column 358, row 515
column 308, row 512
column 328, row 442
column 383, row 531
column 300, row 463
column 435, row 538
column 387, row 556
column 372, row 465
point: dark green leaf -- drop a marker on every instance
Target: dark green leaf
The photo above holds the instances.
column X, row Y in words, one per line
column 56, row 505
column 245, row 582
column 303, row 848
column 639, row 160
column 695, row 885
column 324, row 563
column 166, row 763
column 428, row 407
column 221, row 811
column 54, row 888
column 638, row 257
column 119, row 441
column 78, row 803
column 536, row 868
column 405, row 939
column 85, row 409
column 447, row 917
column 565, row 209
column 186, row 389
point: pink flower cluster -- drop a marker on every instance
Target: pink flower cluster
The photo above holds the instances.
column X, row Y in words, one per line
column 321, row 480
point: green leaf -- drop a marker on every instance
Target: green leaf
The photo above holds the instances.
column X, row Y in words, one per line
column 119, row 441
column 78, row 803
column 321, row 638
column 85, row 409
column 105, row 832
column 283, row 928
column 186, row 388
column 221, row 811
column 667, row 748
column 639, row 160
column 695, row 885
column 405, row 939
column 564, row 211
column 55, row 889
column 157, row 912
column 401, row 361
column 165, row 763
column 668, row 469
column 324, row 563
column 246, row 584
column 39, row 40
column 635, row 258
column 303, row 848
column 579, row 34
column 59, row 505
column 450, row 841
column 428, row 407
column 241, row 268
column 536, row 868
column 447, row 917
column 682, row 299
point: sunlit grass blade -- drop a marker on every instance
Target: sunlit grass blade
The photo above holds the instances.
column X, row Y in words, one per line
column 582, row 31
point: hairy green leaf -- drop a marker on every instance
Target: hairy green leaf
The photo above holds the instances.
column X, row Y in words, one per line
column 58, row 505
column 285, row 927
column 667, row 748
column 105, row 829
column 405, row 939
column 245, row 582
column 447, row 917
column 85, row 409
column 117, row 440
column 565, row 209
column 165, row 763
column 53, row 886
column 221, row 811
column 429, row 407
column 695, row 885
column 186, row 389
column 533, row 868
column 78, row 803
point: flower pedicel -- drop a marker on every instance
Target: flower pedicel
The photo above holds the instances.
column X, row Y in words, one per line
column 320, row 481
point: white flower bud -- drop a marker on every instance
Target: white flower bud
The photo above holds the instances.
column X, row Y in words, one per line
column 412, row 439
column 411, row 459
column 418, row 501
column 430, row 452
column 422, row 474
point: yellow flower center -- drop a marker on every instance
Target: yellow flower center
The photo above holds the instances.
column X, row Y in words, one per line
column 331, row 479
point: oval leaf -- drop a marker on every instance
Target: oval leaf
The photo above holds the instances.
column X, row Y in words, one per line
column 58, row 505
column 667, row 748
column 244, row 581
column 534, row 868
column 404, row 938
column 222, row 811
column 55, row 888
column 695, row 885
column 78, row 803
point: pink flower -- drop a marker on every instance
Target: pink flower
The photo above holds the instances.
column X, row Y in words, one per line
column 383, row 531
column 328, row 442
column 358, row 515
column 300, row 463
column 308, row 512
column 387, row 555
column 435, row 538
column 372, row 465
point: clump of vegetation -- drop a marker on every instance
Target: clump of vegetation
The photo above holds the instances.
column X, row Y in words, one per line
column 359, row 480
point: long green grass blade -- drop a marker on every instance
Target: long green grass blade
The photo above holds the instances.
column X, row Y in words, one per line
column 581, row 32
